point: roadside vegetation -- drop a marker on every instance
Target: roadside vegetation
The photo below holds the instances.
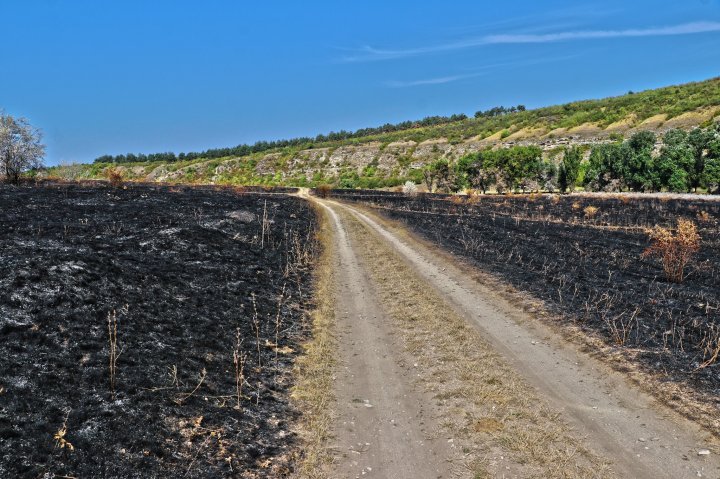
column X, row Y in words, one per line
column 313, row 391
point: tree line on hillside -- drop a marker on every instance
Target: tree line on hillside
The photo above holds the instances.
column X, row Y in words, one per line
column 260, row 146
column 671, row 101
column 684, row 162
column 499, row 111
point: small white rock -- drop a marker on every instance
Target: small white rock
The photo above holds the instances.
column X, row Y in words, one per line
column 704, row 452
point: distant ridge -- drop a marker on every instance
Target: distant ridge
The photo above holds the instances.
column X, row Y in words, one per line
column 395, row 150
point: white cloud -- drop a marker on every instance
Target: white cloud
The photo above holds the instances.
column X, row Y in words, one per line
column 370, row 54
column 685, row 29
column 429, row 81
column 480, row 71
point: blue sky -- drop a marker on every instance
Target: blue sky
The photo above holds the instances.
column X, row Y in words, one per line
column 145, row 76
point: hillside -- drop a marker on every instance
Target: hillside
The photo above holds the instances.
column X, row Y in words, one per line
column 375, row 157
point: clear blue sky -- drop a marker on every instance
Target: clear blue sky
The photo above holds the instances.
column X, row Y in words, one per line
column 145, row 76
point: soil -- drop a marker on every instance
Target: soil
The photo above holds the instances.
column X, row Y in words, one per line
column 183, row 271
column 638, row 436
column 587, row 267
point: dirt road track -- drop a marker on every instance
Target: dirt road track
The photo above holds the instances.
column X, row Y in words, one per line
column 641, row 438
column 382, row 426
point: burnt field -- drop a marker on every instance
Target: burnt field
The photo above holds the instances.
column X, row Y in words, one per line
column 150, row 331
column 582, row 256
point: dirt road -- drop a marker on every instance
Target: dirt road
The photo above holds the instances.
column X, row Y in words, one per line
column 389, row 424
column 381, row 428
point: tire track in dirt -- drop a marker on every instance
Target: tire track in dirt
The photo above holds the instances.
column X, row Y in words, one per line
column 383, row 427
column 642, row 438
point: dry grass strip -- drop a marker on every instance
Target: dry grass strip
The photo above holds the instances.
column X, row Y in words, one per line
column 313, row 392
column 502, row 426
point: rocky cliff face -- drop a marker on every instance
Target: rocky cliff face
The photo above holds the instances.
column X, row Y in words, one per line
column 399, row 157
column 394, row 158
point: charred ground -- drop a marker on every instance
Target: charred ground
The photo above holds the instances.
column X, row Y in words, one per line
column 183, row 270
column 581, row 255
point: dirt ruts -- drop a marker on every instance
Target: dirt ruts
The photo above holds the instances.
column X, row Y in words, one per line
column 628, row 428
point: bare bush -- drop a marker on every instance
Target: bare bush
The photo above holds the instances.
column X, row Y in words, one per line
column 711, row 347
column 675, row 250
column 410, row 188
column 323, row 191
column 590, row 211
column 114, row 176
column 20, row 147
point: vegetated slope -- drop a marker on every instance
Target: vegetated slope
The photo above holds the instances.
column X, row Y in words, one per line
column 388, row 158
column 195, row 278
column 582, row 255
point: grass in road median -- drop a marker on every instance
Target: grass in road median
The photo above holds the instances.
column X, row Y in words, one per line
column 502, row 426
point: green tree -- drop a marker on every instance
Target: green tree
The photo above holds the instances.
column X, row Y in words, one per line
column 605, row 169
column 548, row 178
column 639, row 165
column 676, row 164
column 477, row 170
column 699, row 140
column 711, row 175
column 444, row 177
column 569, row 170
column 520, row 164
column 711, row 171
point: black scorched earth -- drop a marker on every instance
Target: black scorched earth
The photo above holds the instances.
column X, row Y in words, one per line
column 200, row 294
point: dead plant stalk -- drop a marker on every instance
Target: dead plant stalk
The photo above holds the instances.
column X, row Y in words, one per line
column 278, row 319
column 114, row 352
column 239, row 359
column 256, row 326
column 265, row 227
